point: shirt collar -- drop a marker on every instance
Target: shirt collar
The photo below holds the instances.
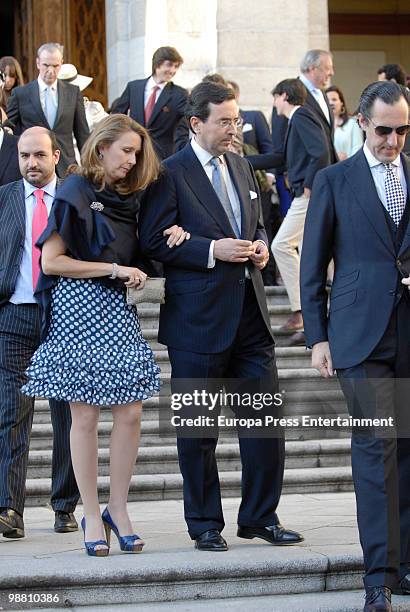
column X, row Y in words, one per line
column 49, row 189
column 151, row 84
column 43, row 86
column 374, row 162
column 293, row 111
column 202, row 154
column 309, row 86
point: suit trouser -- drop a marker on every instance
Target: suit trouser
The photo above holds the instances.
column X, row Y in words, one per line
column 251, row 356
column 286, row 248
column 381, row 463
column 19, row 338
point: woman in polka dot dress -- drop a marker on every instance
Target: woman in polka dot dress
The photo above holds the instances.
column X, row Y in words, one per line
column 93, row 353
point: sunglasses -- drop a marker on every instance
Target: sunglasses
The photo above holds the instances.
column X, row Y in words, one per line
column 383, row 130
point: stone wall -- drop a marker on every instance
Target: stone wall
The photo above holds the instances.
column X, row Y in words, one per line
column 254, row 43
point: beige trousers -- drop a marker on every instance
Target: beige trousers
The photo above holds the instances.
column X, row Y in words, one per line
column 286, row 248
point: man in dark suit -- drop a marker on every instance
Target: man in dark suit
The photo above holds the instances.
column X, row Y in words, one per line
column 215, row 320
column 51, row 103
column 24, row 207
column 155, row 102
column 316, row 69
column 359, row 214
column 9, row 163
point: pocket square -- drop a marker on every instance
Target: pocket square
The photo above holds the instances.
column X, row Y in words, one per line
column 247, row 127
column 253, row 195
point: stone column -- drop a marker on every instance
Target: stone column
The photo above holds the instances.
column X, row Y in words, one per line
column 255, row 43
column 260, row 43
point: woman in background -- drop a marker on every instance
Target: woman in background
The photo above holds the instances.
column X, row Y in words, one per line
column 12, row 77
column 348, row 136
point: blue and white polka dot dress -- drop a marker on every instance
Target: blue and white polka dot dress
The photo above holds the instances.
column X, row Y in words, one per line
column 94, row 351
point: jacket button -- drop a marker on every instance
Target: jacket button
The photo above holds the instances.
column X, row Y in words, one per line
column 241, row 281
column 398, row 262
column 391, row 292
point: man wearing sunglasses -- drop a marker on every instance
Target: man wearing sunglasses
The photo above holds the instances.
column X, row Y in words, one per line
column 359, row 215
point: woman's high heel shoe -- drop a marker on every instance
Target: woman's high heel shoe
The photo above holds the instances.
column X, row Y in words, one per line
column 128, row 543
column 91, row 547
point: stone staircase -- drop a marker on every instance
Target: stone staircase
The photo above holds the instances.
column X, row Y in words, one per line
column 316, row 460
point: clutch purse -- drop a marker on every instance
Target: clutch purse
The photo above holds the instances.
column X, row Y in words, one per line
column 153, row 292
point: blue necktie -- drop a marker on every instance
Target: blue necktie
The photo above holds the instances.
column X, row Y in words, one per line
column 222, row 193
column 50, row 107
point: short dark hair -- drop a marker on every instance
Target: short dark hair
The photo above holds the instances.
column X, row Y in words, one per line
column 393, row 71
column 202, row 95
column 294, row 89
column 388, row 92
column 235, row 87
column 214, row 78
column 50, row 134
column 344, row 114
column 164, row 54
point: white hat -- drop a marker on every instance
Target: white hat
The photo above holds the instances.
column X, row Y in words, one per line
column 68, row 73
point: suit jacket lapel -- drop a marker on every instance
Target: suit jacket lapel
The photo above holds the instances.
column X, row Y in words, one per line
column 62, row 94
column 406, row 167
column 199, row 183
column 162, row 101
column 35, row 93
column 360, row 178
column 242, row 189
column 19, row 207
column 139, row 102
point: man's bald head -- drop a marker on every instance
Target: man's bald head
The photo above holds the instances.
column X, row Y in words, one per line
column 38, row 155
column 39, row 130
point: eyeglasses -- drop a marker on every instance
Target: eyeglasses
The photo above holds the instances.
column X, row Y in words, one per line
column 225, row 123
column 383, row 130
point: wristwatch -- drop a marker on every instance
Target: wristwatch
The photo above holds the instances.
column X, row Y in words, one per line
column 114, row 272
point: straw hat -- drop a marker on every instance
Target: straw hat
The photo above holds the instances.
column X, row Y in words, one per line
column 69, row 74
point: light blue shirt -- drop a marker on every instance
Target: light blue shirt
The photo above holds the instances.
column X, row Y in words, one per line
column 378, row 170
column 23, row 293
column 317, row 94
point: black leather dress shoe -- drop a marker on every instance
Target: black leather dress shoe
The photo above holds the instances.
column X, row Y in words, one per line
column 11, row 524
column 65, row 522
column 274, row 534
column 403, row 586
column 378, row 599
column 211, row 540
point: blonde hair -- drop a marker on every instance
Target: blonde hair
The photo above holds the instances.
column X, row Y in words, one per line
column 105, row 133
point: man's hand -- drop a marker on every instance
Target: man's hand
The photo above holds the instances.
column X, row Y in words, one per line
column 307, row 192
column 406, row 281
column 322, row 359
column 261, row 255
column 234, row 250
column 177, row 235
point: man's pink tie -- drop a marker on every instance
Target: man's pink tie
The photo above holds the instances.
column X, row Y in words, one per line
column 150, row 104
column 40, row 218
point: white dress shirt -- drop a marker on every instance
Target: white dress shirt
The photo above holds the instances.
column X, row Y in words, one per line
column 42, row 88
column 1, row 137
column 23, row 293
column 150, row 84
column 204, row 158
column 318, row 95
column 378, row 171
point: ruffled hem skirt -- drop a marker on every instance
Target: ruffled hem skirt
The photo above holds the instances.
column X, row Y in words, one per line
column 94, row 351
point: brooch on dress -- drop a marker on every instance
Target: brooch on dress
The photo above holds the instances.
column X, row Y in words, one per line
column 97, row 206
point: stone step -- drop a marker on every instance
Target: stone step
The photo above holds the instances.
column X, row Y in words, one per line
column 149, row 315
column 181, row 575
column 323, row 601
column 164, row 459
column 146, row 487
